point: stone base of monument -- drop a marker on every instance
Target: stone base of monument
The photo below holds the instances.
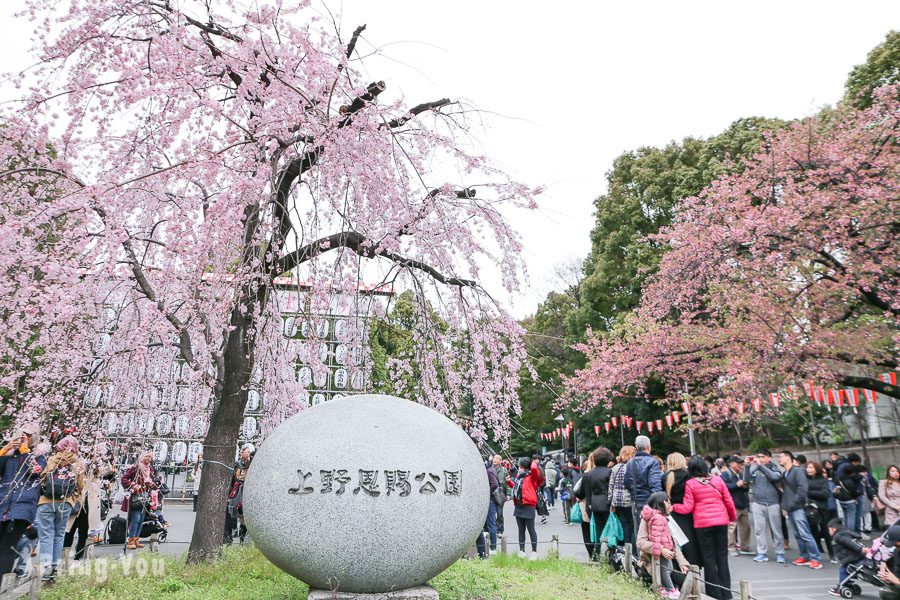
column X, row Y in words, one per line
column 422, row 592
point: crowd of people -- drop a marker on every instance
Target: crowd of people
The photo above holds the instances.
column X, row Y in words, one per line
column 704, row 511
column 54, row 497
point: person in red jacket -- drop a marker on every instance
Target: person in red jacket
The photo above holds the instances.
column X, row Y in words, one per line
column 708, row 500
column 525, row 486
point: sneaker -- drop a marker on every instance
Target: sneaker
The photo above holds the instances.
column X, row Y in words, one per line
column 543, row 520
column 746, row 550
column 533, row 556
column 735, row 553
column 670, row 593
column 761, row 558
column 800, row 562
column 835, row 591
column 865, row 536
column 779, row 558
column 832, row 560
column 521, row 554
column 814, row 564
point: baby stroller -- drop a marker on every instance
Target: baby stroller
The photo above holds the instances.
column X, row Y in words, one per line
column 153, row 525
column 866, row 569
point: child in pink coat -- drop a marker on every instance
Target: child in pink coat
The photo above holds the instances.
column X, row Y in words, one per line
column 655, row 539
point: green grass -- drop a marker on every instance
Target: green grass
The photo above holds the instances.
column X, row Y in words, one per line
column 244, row 573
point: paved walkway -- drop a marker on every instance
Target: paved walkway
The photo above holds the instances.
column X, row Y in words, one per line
column 770, row 581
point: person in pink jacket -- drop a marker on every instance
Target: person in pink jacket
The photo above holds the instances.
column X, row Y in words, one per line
column 708, row 500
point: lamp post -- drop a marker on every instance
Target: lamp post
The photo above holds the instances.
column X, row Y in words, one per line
column 561, row 419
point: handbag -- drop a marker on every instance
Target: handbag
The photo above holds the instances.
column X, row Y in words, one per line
column 877, row 505
column 498, row 496
column 612, row 531
column 678, row 535
column 542, row 504
column 594, row 537
column 138, row 501
column 813, row 516
column 575, row 514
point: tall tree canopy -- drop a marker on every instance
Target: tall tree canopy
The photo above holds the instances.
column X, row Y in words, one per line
column 204, row 149
column 882, row 67
column 784, row 271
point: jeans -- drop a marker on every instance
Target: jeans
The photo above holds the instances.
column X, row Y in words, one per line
column 713, row 542
column 524, row 524
column 24, row 549
column 51, row 521
column 135, row 520
column 820, row 531
column 859, row 512
column 767, row 518
column 635, row 521
column 551, row 496
column 10, row 533
column 665, row 573
column 490, row 526
column 805, row 543
column 850, row 520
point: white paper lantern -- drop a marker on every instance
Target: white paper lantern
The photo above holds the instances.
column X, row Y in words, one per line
column 340, row 378
column 110, row 423
column 179, row 452
column 181, row 425
column 194, row 451
column 318, row 399
column 340, row 354
column 322, row 328
column 320, row 378
column 128, row 424
column 145, row 423
column 164, row 424
column 160, row 451
column 356, row 380
column 304, row 376
column 252, row 400
column 199, row 427
column 249, row 427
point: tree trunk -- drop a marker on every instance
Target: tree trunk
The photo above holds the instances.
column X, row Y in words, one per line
column 737, row 429
column 219, row 445
column 862, row 439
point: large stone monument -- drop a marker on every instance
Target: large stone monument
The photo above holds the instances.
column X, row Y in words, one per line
column 366, row 494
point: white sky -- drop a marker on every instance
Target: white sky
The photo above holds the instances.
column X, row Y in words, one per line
column 578, row 83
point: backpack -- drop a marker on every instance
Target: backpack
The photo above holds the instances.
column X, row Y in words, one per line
column 116, row 530
column 60, row 483
column 517, row 487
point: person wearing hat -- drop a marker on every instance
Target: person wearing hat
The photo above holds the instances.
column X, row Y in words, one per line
column 739, row 529
column 20, row 490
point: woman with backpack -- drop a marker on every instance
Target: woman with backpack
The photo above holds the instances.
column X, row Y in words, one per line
column 594, row 491
column 619, row 496
column 709, row 500
column 564, row 489
column 525, row 490
column 138, row 480
column 62, row 482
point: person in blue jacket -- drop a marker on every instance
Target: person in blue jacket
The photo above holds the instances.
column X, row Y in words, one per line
column 643, row 477
column 20, row 490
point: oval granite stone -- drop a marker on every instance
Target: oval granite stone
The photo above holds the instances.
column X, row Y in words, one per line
column 366, row 494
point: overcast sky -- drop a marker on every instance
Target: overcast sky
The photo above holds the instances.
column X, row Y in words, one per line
column 575, row 84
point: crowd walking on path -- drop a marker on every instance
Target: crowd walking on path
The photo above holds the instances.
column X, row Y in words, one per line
column 706, row 512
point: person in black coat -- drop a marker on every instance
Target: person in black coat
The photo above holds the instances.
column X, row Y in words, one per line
column 594, row 491
column 848, row 549
column 818, row 493
column 673, row 482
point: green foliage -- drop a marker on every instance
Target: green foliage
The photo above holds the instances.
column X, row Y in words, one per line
column 758, row 443
column 245, row 573
column 882, row 67
column 392, row 337
column 644, row 189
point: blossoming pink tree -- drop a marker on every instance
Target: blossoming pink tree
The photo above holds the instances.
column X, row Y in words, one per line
column 782, row 274
column 169, row 160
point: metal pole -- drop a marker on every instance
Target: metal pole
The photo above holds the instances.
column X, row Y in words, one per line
column 575, row 440
column 622, row 429
column 690, row 423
